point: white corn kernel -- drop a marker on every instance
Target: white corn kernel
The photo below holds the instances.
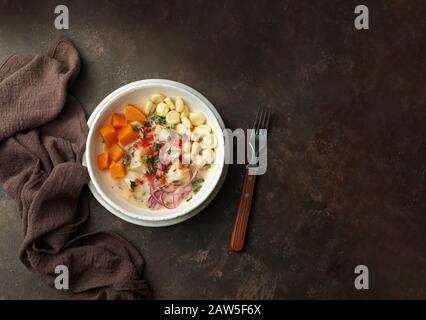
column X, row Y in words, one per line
column 147, row 108
column 170, row 103
column 208, row 155
column 157, row 98
column 195, row 149
column 172, row 117
column 162, row 109
column 199, row 132
column 184, row 113
column 180, row 105
column 203, row 129
column 209, row 141
column 199, row 161
column 197, row 118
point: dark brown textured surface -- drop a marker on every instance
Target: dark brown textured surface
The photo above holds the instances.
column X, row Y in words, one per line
column 347, row 157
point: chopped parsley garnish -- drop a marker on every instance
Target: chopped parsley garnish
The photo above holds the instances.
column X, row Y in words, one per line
column 136, row 128
column 125, row 161
column 133, row 185
column 157, row 145
column 149, row 169
column 148, row 124
column 196, row 184
column 159, row 119
column 156, row 160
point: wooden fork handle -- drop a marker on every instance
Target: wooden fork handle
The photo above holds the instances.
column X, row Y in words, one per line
column 243, row 212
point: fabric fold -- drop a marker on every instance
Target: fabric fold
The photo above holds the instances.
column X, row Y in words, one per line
column 42, row 138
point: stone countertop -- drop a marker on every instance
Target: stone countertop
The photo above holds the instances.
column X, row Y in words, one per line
column 346, row 156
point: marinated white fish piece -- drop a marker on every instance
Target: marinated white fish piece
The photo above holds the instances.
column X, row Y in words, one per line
column 177, row 175
column 164, row 135
column 136, row 161
column 180, row 129
column 186, row 158
column 131, row 176
column 186, row 122
column 186, row 147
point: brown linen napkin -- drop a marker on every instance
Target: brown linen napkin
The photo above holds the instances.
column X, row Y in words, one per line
column 42, row 137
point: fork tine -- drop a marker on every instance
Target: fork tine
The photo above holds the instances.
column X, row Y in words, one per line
column 263, row 119
column 268, row 116
column 256, row 120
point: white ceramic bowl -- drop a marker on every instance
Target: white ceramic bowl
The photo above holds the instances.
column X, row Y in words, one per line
column 135, row 93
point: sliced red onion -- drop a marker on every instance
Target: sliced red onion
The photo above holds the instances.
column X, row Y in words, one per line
column 156, row 194
column 194, row 174
column 171, row 187
column 171, row 196
column 153, row 204
column 168, row 200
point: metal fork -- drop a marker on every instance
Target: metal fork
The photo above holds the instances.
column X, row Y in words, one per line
column 243, row 212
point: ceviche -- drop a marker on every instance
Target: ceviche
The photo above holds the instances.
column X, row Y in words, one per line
column 157, row 155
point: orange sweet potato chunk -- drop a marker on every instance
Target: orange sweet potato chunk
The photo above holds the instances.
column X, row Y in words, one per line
column 103, row 160
column 118, row 120
column 118, row 170
column 108, row 134
column 127, row 135
column 115, row 152
column 134, row 114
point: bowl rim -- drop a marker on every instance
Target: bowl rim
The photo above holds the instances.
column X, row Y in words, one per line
column 103, row 107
